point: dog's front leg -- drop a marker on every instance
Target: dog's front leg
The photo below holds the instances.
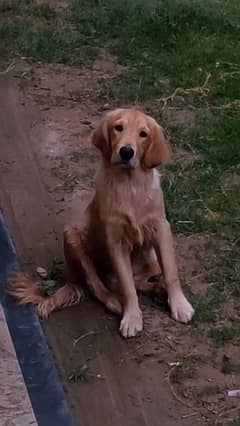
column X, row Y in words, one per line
column 132, row 321
column 163, row 243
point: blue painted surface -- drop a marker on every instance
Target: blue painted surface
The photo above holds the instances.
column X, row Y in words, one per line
column 40, row 375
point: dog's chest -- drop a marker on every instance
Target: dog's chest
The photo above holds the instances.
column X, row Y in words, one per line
column 132, row 216
column 129, row 208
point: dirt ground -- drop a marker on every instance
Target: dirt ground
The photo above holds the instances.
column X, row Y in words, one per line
column 47, row 114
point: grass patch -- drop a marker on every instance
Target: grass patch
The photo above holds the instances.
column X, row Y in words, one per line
column 166, row 44
column 205, row 308
column 79, row 374
column 186, row 369
column 57, row 272
column 40, row 32
column 54, row 279
column 234, row 423
column 27, row 8
column 229, row 366
column 225, row 335
column 80, row 154
column 205, row 205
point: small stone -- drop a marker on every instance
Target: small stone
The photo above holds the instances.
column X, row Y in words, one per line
column 41, row 272
column 105, row 106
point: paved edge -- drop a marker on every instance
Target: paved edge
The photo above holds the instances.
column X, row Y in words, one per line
column 39, row 372
column 16, row 408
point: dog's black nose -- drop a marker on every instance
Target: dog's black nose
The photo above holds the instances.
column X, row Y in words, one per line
column 126, row 153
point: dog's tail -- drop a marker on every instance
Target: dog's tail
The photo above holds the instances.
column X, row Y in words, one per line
column 27, row 291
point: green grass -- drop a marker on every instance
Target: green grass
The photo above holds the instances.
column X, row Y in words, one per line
column 164, row 45
column 40, row 32
column 187, row 368
column 174, row 40
column 215, row 139
column 224, row 335
column 229, row 366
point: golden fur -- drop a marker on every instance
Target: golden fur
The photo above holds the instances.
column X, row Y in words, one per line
column 122, row 237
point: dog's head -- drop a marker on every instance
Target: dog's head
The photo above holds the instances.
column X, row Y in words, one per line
column 129, row 138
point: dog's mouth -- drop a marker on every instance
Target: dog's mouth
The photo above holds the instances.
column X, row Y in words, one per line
column 124, row 163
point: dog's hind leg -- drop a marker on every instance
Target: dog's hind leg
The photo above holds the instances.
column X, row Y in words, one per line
column 79, row 262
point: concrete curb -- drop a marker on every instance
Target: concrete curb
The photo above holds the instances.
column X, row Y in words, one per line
column 38, row 370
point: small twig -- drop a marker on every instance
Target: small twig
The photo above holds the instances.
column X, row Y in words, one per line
column 234, row 104
column 195, row 277
column 235, row 242
column 77, row 340
column 186, row 416
column 176, row 396
column 139, row 87
column 8, row 69
column 200, row 90
column 224, row 413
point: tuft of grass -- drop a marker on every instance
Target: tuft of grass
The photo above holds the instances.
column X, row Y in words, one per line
column 229, row 366
column 186, row 369
column 27, row 7
column 205, row 307
column 79, row 374
column 225, row 335
column 57, row 272
column 234, row 423
column 89, row 154
column 43, row 10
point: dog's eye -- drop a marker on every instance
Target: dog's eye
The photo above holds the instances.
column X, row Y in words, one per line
column 143, row 134
column 118, row 127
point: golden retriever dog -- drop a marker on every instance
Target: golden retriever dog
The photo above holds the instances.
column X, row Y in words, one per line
column 122, row 237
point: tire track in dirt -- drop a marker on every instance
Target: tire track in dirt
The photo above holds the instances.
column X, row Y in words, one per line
column 23, row 195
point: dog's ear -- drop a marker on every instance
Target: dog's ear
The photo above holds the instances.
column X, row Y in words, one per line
column 157, row 151
column 100, row 138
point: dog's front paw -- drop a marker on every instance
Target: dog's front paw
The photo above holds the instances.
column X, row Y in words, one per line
column 181, row 309
column 131, row 324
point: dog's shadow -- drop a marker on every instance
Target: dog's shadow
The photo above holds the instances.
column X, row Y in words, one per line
column 157, row 300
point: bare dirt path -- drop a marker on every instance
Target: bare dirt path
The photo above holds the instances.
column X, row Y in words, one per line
column 125, row 382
